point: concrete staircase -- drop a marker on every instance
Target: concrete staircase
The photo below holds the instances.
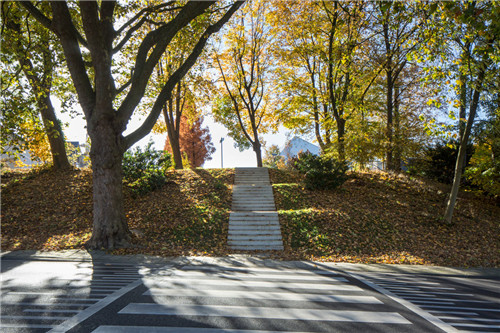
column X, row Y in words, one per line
column 253, row 222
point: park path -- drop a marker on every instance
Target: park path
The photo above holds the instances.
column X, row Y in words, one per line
column 253, row 222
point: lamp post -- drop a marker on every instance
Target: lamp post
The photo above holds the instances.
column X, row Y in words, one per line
column 221, row 155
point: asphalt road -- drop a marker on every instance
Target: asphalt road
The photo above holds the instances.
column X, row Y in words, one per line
column 245, row 296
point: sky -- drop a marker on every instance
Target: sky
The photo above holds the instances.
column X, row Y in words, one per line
column 232, row 157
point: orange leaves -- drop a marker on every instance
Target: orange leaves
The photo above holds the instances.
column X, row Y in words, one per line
column 384, row 218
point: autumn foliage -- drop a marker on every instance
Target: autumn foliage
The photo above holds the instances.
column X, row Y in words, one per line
column 195, row 142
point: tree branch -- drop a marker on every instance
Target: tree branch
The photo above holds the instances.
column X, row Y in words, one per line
column 39, row 16
column 166, row 91
column 146, row 60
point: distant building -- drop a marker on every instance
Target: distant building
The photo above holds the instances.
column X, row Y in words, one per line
column 17, row 160
column 76, row 152
column 297, row 145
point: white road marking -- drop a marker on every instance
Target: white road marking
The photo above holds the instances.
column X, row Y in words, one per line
column 460, row 307
column 94, row 308
column 424, row 314
column 156, row 329
column 178, row 282
column 265, row 313
column 282, row 277
column 23, row 325
column 469, row 318
column 249, row 294
column 476, row 325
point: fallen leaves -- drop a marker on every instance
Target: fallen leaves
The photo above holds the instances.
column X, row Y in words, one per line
column 372, row 218
column 53, row 211
column 385, row 218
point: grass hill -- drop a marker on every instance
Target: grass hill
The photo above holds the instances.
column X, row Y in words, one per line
column 373, row 217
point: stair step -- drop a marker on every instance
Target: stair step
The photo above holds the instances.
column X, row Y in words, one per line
column 244, row 238
column 256, row 248
column 255, row 244
column 258, row 215
column 268, row 225
column 254, row 222
column 255, row 231
column 251, row 204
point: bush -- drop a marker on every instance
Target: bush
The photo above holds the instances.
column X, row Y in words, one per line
column 484, row 171
column 320, row 172
column 144, row 171
column 439, row 162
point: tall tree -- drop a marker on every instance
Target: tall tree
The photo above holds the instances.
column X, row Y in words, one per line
column 300, row 78
column 399, row 25
column 30, row 46
column 243, row 67
column 195, row 142
column 477, row 24
column 186, row 90
column 344, row 38
column 92, row 46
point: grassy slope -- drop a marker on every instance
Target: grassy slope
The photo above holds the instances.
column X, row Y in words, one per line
column 378, row 217
column 53, row 211
column 374, row 217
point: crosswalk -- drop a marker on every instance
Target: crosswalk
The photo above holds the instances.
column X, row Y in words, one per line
column 454, row 304
column 255, row 300
column 32, row 302
column 186, row 298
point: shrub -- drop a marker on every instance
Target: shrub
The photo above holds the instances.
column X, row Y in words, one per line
column 439, row 162
column 321, row 172
column 144, row 171
column 484, row 171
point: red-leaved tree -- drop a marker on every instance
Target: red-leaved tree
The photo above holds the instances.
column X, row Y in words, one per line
column 195, row 142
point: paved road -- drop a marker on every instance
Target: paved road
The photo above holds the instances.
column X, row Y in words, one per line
column 213, row 297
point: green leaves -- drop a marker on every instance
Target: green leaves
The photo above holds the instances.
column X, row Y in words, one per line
column 144, row 171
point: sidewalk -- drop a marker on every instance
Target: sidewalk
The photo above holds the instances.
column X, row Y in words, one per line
column 240, row 261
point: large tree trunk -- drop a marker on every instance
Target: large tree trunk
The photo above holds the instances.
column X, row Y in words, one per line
column 54, row 133
column 110, row 229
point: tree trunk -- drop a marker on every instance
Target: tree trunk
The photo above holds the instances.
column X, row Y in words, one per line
column 54, row 133
column 176, row 150
column 397, row 131
column 462, row 115
column 258, row 152
column 110, row 229
column 450, row 205
column 389, row 101
column 173, row 137
column 341, row 138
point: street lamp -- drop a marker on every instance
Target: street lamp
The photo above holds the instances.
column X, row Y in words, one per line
column 221, row 164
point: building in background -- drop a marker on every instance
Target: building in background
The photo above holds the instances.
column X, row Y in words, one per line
column 297, row 145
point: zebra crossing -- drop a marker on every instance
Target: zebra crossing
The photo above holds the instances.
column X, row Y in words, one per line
column 254, row 300
column 43, row 296
column 454, row 304
column 198, row 296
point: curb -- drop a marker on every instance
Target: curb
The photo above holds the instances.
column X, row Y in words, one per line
column 242, row 261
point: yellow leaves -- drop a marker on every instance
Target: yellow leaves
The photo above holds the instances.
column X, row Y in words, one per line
column 160, row 127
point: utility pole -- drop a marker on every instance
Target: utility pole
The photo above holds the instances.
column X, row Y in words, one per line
column 221, row 155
